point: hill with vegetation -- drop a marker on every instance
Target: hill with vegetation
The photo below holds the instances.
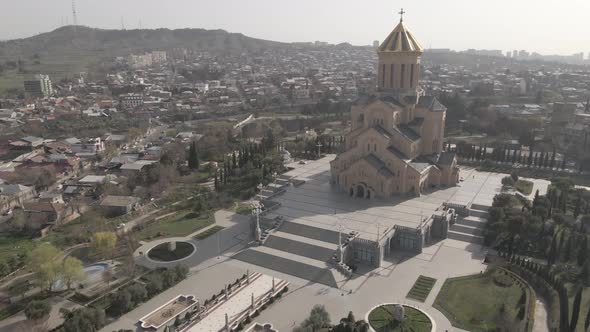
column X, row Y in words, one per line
column 68, row 50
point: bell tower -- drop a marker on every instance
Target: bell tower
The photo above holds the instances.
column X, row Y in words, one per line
column 399, row 62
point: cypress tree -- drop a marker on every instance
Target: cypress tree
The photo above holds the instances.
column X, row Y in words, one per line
column 552, row 163
column 216, row 183
column 576, row 308
column 587, row 322
column 567, row 255
column 583, row 252
column 552, row 252
column 193, row 158
column 578, row 206
column 563, row 163
column 530, row 158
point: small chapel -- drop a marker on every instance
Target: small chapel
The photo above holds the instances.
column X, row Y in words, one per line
column 395, row 145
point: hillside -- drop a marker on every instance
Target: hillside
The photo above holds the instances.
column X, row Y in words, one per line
column 69, row 50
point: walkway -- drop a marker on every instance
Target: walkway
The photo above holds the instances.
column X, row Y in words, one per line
column 231, row 239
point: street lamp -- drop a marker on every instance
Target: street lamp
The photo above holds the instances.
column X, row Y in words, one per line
column 319, row 145
column 256, row 211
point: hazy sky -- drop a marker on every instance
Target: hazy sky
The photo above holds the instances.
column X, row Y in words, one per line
column 547, row 26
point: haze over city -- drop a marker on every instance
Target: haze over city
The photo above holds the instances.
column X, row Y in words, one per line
column 547, row 27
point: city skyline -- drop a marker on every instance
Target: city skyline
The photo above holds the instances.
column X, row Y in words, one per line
column 454, row 25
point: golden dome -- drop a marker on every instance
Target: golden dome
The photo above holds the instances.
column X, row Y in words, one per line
column 400, row 40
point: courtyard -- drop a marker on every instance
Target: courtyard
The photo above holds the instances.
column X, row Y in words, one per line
column 313, row 203
column 316, row 204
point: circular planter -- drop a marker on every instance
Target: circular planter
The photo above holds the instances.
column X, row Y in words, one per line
column 380, row 319
column 162, row 252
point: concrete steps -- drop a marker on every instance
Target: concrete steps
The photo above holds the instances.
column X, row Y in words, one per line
column 477, row 239
column 289, row 263
column 472, row 221
column 466, row 229
column 299, row 248
column 311, row 232
column 479, row 213
column 470, row 229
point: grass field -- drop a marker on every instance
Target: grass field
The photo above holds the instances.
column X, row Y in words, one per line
column 381, row 319
column 524, row 186
column 208, row 232
column 181, row 224
column 474, row 302
column 421, row 288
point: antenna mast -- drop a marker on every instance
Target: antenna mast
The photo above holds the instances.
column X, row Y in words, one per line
column 74, row 15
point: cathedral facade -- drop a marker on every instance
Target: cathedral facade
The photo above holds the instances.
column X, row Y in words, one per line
column 395, row 145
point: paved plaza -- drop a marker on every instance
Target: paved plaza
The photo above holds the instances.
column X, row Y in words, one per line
column 312, row 215
column 316, row 204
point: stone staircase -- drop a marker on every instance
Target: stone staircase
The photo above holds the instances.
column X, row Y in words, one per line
column 299, row 250
column 470, row 228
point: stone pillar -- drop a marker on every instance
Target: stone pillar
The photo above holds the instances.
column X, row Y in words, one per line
column 226, row 323
column 252, row 302
column 273, row 284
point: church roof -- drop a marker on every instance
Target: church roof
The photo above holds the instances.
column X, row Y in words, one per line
column 431, row 103
column 400, row 40
column 378, row 165
column 397, row 152
column 419, row 166
column 367, row 99
column 446, row 158
column 407, row 132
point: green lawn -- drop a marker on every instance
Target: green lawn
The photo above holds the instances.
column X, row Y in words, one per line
column 524, row 186
column 181, row 224
column 474, row 302
column 421, row 288
column 208, row 232
column 13, row 246
column 381, row 319
column 243, row 208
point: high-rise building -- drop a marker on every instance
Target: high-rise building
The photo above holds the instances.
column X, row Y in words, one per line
column 395, row 145
column 375, row 43
column 39, row 87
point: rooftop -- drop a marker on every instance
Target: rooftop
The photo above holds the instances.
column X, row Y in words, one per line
column 400, row 40
column 167, row 312
column 112, row 200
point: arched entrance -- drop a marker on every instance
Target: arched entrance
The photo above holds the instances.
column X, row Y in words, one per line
column 360, row 191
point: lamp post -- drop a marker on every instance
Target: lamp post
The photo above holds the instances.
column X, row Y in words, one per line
column 256, row 211
column 319, row 145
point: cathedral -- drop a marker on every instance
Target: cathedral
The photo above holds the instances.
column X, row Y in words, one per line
column 395, row 145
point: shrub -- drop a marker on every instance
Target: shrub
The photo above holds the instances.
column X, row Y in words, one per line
column 503, row 280
column 508, row 181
